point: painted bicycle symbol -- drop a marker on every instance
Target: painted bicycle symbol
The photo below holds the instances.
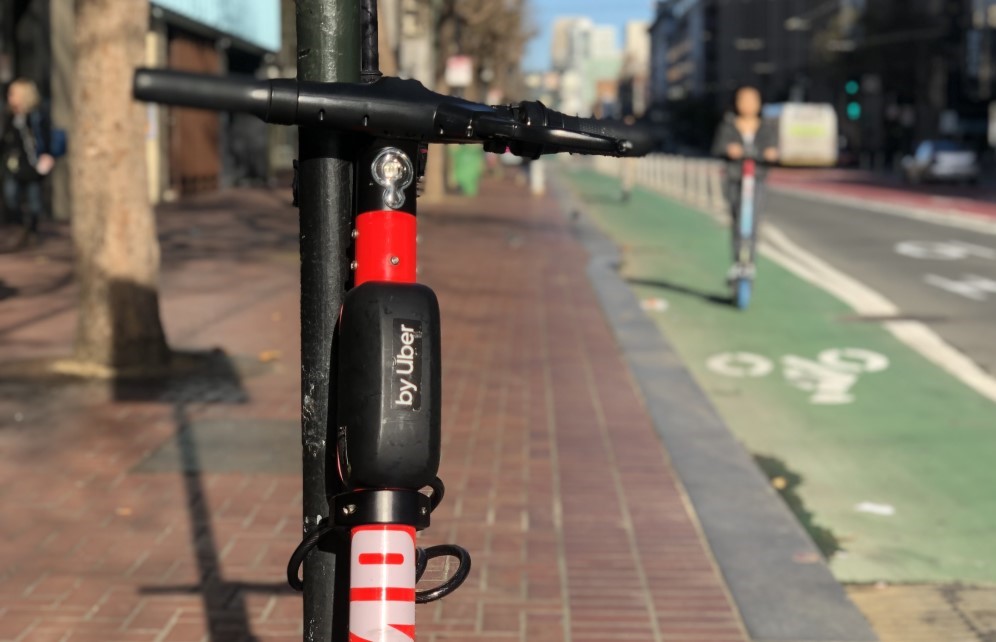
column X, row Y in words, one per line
column 828, row 379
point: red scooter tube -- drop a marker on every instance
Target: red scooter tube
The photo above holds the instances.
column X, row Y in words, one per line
column 385, row 247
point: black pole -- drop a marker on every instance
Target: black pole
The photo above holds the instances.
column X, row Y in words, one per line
column 370, row 52
column 328, row 50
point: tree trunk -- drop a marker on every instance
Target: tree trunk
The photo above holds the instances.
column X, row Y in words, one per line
column 113, row 224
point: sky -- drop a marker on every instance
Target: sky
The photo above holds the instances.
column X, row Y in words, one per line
column 615, row 12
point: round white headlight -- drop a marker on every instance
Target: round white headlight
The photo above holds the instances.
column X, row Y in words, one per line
column 393, row 170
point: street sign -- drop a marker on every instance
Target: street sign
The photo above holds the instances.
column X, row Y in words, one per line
column 459, row 71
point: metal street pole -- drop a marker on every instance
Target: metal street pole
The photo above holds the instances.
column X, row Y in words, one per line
column 328, row 47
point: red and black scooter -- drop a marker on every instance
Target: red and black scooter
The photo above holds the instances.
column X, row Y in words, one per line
column 388, row 414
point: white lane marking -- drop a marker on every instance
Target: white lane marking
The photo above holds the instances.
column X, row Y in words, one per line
column 740, row 365
column 874, row 508
column 791, row 256
column 953, row 218
column 971, row 286
column 865, row 301
column 943, row 250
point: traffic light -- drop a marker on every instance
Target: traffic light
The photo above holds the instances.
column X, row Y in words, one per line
column 853, row 109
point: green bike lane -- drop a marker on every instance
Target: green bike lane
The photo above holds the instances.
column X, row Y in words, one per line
column 892, row 469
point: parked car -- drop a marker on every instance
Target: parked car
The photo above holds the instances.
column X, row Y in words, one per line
column 847, row 156
column 941, row 161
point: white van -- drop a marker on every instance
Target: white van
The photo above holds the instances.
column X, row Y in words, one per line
column 807, row 133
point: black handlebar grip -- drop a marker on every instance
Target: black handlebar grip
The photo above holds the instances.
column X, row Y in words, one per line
column 218, row 93
column 636, row 139
column 639, row 139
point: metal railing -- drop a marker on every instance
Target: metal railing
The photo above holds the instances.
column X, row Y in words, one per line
column 697, row 182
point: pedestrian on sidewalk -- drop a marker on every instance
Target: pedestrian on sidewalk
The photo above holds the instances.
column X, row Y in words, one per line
column 25, row 146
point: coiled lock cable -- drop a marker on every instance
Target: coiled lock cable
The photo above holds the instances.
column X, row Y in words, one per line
column 422, row 556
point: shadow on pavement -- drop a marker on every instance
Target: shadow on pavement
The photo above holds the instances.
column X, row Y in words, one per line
column 718, row 299
column 212, row 378
column 787, row 482
column 5, row 291
column 618, row 200
column 196, row 448
column 231, row 224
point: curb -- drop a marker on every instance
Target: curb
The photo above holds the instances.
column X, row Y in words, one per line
column 765, row 556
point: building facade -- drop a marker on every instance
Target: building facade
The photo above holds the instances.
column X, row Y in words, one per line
column 635, row 74
column 915, row 69
column 683, row 49
column 190, row 150
column 210, row 36
column 586, row 55
column 661, row 33
column 704, row 49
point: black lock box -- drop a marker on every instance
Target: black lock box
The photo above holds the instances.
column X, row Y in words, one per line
column 389, row 386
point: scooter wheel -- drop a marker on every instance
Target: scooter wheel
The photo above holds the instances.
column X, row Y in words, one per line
column 743, row 293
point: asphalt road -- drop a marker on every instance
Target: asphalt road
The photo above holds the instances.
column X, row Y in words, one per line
column 942, row 275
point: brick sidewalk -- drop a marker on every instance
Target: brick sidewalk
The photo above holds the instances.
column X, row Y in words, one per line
column 557, row 482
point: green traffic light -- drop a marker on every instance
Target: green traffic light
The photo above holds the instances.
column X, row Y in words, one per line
column 854, row 111
column 852, row 87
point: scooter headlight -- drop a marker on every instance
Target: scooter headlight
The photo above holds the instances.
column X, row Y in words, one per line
column 393, row 170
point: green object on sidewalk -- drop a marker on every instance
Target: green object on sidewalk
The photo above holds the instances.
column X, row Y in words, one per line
column 468, row 166
column 893, row 466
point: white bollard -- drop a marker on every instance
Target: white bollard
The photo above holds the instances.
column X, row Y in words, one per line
column 702, row 198
column 537, row 177
column 673, row 177
column 686, row 183
column 719, row 197
column 697, row 182
column 666, row 175
column 696, row 166
column 676, row 176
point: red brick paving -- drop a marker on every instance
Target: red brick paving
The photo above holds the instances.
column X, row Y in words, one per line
column 970, row 201
column 557, row 482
